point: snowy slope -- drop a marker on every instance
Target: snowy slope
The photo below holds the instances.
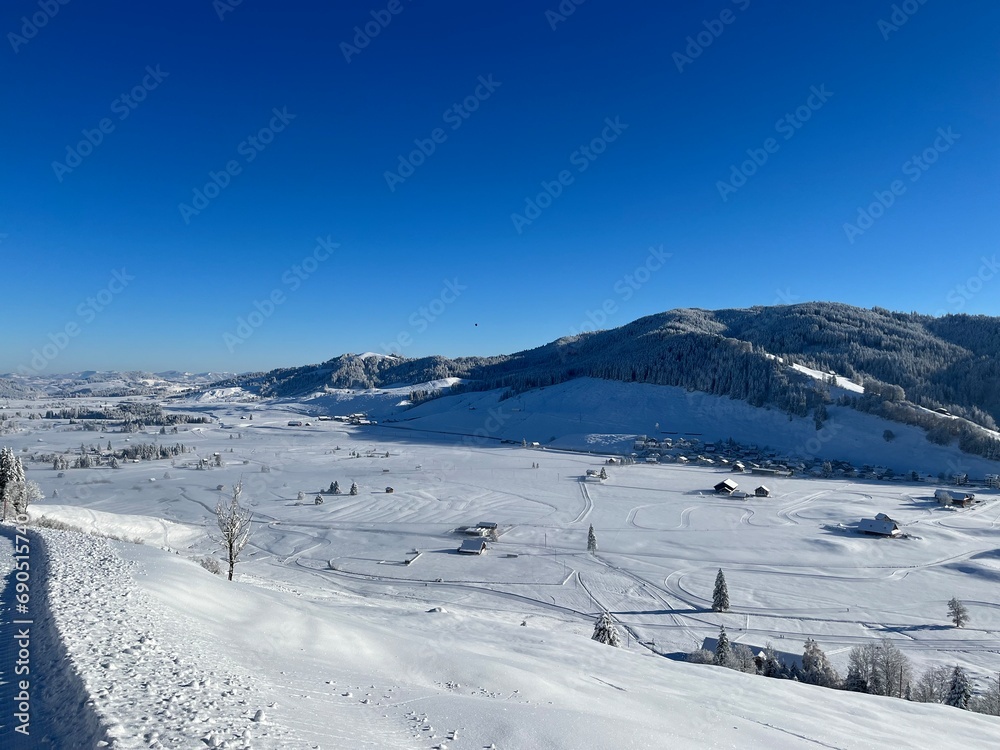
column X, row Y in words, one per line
column 176, row 657
column 577, row 412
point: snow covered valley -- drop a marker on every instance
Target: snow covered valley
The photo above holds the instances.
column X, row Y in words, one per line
column 355, row 623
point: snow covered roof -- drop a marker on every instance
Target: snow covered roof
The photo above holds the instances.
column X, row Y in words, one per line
column 473, row 546
column 880, row 526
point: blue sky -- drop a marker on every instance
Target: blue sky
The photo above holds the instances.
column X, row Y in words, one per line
column 277, row 183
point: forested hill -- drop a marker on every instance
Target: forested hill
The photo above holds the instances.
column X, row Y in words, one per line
column 904, row 360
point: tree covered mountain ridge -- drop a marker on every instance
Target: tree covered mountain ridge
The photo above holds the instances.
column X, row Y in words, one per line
column 909, row 364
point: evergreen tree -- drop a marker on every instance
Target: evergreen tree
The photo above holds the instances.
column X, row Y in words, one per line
column 354, row 488
column 604, row 473
column 335, row 487
column 959, row 691
column 816, row 667
column 720, row 596
column 7, row 476
column 606, row 632
column 17, row 491
column 723, row 650
column 957, row 612
column 591, row 541
column 772, row 666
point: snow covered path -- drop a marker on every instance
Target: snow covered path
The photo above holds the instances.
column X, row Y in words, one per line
column 43, row 698
column 153, row 682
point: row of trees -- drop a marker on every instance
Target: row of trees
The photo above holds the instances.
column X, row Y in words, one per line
column 877, row 668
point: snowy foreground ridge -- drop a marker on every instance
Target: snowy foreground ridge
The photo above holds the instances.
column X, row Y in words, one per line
column 140, row 648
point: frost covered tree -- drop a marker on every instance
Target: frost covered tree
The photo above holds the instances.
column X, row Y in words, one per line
column 335, row 488
column 605, row 631
column 959, row 689
column 233, row 520
column 301, row 496
column 933, row 685
column 8, row 476
column 879, row 669
column 742, row 660
column 723, row 650
column 988, row 701
column 957, row 612
column 772, row 666
column 591, row 541
column 720, row 596
column 816, row 667
column 603, row 474
column 16, row 491
column 354, row 488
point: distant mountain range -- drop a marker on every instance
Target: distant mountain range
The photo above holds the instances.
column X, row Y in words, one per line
column 942, row 374
column 107, row 384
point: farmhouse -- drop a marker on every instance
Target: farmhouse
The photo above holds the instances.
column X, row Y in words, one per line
column 881, row 525
column 294, row 423
column 473, row 547
column 950, row 497
column 762, row 491
column 726, row 487
column 739, row 466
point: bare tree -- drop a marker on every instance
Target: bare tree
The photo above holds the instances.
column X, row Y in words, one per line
column 933, row 685
column 880, row 669
column 234, row 523
column 957, row 612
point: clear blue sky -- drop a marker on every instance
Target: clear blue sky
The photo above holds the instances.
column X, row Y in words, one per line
column 432, row 261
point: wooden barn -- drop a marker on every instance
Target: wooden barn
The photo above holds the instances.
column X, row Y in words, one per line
column 726, row 487
column 881, row 525
column 473, row 547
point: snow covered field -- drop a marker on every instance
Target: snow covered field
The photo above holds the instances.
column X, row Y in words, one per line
column 340, row 643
